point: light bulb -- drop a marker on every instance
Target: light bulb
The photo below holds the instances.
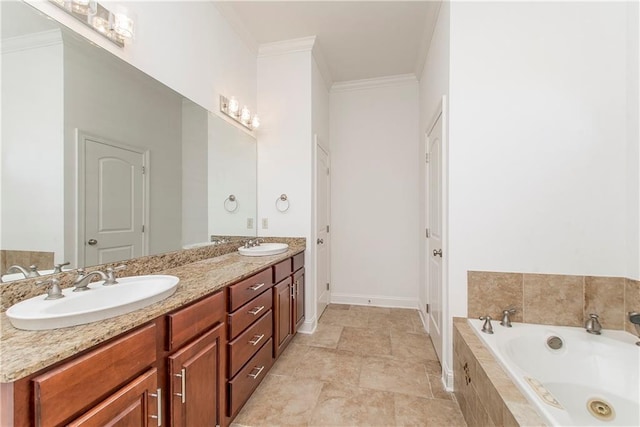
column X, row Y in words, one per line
column 245, row 114
column 255, row 122
column 101, row 24
column 123, row 25
column 83, row 7
column 234, row 106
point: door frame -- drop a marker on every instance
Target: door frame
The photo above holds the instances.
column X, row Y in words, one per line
column 81, row 140
column 446, row 330
column 318, row 145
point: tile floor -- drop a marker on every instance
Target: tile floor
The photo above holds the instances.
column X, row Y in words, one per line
column 364, row 366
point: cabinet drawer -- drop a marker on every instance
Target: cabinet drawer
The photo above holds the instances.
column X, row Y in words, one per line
column 194, row 319
column 70, row 388
column 249, row 377
column 298, row 261
column 249, row 313
column 281, row 270
column 249, row 288
column 242, row 348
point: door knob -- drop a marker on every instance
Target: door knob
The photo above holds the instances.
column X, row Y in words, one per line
column 437, row 252
column 92, row 242
column 319, row 241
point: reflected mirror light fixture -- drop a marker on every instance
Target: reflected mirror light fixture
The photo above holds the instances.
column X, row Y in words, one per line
column 231, row 108
column 117, row 25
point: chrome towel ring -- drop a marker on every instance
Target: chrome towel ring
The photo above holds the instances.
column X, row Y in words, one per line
column 282, row 203
column 231, row 203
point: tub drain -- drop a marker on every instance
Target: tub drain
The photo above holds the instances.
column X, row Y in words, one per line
column 601, row 409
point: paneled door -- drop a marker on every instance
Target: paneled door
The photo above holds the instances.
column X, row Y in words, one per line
column 323, row 180
column 434, row 245
column 113, row 202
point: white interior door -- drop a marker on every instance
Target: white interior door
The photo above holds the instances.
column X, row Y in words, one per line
column 434, row 240
column 322, row 242
column 113, row 203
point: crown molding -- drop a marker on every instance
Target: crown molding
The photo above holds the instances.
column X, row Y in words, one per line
column 32, row 41
column 304, row 44
column 397, row 80
column 321, row 62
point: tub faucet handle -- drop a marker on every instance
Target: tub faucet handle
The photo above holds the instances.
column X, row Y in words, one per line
column 487, row 328
column 506, row 320
column 593, row 325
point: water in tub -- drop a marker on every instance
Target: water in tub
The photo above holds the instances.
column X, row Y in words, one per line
column 571, row 377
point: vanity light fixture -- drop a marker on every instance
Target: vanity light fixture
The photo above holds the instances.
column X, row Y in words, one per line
column 117, row 25
column 231, row 108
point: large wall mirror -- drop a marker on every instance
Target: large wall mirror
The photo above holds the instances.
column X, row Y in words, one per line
column 101, row 162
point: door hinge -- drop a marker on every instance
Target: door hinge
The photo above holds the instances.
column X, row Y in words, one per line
column 327, row 285
column 143, row 228
column 427, row 233
column 327, row 228
column 427, row 308
column 426, row 157
column 144, row 170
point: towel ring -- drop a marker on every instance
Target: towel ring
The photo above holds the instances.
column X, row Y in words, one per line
column 231, row 203
column 280, row 203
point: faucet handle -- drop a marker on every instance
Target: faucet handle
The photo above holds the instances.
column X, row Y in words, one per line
column 33, row 271
column 54, row 292
column 593, row 325
column 57, row 268
column 487, row 328
column 111, row 277
column 506, row 313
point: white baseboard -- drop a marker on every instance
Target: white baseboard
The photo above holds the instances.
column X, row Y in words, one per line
column 308, row 326
column 423, row 319
column 374, row 301
column 447, row 377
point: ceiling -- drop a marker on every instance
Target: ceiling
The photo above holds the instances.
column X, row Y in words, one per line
column 358, row 39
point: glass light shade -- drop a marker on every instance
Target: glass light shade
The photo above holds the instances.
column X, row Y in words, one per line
column 245, row 114
column 83, row 7
column 101, row 24
column 255, row 122
column 123, row 25
column 234, row 106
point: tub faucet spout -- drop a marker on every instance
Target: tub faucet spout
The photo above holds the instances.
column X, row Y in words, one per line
column 593, row 324
column 634, row 317
column 486, row 326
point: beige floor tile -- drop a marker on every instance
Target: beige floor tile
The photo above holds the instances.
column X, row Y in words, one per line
column 342, row 405
column 350, row 318
column 380, row 373
column 413, row 347
column 324, row 336
column 365, row 341
column 416, row 411
column 281, row 400
column 338, row 307
column 289, row 359
column 369, row 310
column 329, row 365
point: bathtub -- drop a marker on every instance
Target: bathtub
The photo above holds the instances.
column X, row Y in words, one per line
column 590, row 380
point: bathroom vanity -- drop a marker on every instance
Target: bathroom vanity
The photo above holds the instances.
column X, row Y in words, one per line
column 193, row 359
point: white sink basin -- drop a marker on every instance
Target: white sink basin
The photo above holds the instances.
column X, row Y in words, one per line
column 99, row 303
column 264, row 249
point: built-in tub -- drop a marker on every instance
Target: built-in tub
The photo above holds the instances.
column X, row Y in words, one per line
column 591, row 380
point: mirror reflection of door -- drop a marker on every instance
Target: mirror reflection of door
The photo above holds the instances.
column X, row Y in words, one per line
column 114, row 203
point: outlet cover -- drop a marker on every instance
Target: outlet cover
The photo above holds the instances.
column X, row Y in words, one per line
column 265, row 223
column 249, row 223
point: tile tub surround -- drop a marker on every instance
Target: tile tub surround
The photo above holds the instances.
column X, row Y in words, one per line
column 25, row 352
column 553, row 299
column 18, row 290
column 485, row 393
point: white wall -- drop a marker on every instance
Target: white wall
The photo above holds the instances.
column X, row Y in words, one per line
column 32, row 159
column 633, row 138
column 187, row 45
column 374, row 204
column 537, row 140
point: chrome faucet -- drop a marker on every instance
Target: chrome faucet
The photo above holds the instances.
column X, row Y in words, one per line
column 57, row 268
column 252, row 243
column 593, row 325
column 111, row 275
column 81, row 282
column 506, row 320
column 54, row 292
column 33, row 271
column 634, row 317
column 486, row 326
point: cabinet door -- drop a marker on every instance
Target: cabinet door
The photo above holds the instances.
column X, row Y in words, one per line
column 134, row 405
column 298, row 299
column 196, row 381
column 282, row 316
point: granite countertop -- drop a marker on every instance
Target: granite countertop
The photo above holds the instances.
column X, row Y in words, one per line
column 25, row 352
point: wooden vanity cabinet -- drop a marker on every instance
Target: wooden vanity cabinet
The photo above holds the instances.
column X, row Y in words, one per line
column 298, row 299
column 288, row 301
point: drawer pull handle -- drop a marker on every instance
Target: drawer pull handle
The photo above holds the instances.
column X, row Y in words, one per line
column 183, row 384
column 158, row 396
column 256, row 286
column 256, row 339
column 256, row 310
column 254, row 376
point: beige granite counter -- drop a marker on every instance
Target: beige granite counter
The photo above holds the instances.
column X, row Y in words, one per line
column 25, row 352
